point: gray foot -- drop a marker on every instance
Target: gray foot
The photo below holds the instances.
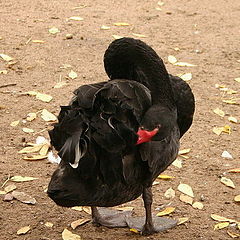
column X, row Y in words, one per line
column 159, row 224
column 111, row 218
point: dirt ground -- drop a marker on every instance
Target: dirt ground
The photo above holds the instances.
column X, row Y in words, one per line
column 204, row 33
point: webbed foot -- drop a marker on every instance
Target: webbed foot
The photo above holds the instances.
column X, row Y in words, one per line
column 109, row 217
column 159, row 224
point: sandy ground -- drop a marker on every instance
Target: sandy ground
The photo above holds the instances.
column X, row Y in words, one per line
column 204, row 33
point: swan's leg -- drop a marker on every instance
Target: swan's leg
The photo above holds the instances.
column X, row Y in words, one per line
column 150, row 224
column 109, row 217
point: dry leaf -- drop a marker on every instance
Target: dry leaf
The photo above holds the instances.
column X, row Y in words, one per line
column 104, row 27
column 117, row 36
column 233, row 235
column 160, row 3
column 172, row 59
column 228, row 182
column 237, row 79
column 234, row 170
column 54, row 30
column 133, row 230
column 6, row 57
column 232, row 119
column 44, row 97
column 139, row 35
column 87, row 210
column 124, row 208
column 67, row 235
column 72, row 74
column 35, row 148
column 184, row 151
column 219, row 130
column 221, row 225
column 2, row 193
column 158, row 8
column 31, row 116
column 230, row 101
column 44, row 149
column 77, row 208
column 236, row 198
column 34, row 157
column 169, row 194
column 155, row 183
column 226, row 154
column 38, row 41
column 219, row 112
column 48, row 116
column 166, row 211
column 76, row 18
column 23, row 197
column 184, row 64
column 182, row 220
column 22, row 179
column 27, row 130
column 60, row 84
column 9, row 188
column 186, row 76
column 23, row 230
column 165, row 177
column 48, row 224
column 14, row 123
column 221, row 219
column 186, row 199
column 186, row 189
column 121, row 24
column 177, row 163
column 198, row 205
column 79, row 222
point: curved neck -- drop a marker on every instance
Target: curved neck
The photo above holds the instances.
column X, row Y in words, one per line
column 132, row 59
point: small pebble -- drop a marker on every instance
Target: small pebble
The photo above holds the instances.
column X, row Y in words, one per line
column 69, row 36
column 8, row 197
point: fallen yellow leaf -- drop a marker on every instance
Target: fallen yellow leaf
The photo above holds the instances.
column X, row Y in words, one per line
column 165, row 177
column 232, row 119
column 237, row 198
column 48, row 224
column 221, row 219
column 230, row 101
column 186, row 189
column 234, row 170
column 237, row 79
column 38, row 41
column 139, row 35
column 186, row 199
column 184, row 64
column 104, row 27
column 34, row 157
column 169, row 194
column 186, row 76
column 23, row 230
column 182, row 220
column 133, row 230
column 44, row 149
column 22, row 179
column 14, row 123
column 27, row 130
column 172, row 59
column 117, row 36
column 184, row 151
column 76, row 18
column 233, row 235
column 67, row 235
column 3, row 72
column 10, row 188
column 72, row 74
column 2, row 193
column 31, row 116
column 77, row 208
column 219, row 130
column 219, row 112
column 60, row 84
column 198, row 205
column 35, row 148
column 48, row 116
column 6, row 57
column 228, row 182
column 44, row 97
column 166, row 211
column 221, row 225
column 54, row 30
column 87, row 210
column 177, row 163
column 124, row 208
column 121, row 24
column 79, row 222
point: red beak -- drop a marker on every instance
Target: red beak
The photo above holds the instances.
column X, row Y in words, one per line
column 145, row 136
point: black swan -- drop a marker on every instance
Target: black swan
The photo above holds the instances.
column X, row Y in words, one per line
column 116, row 137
